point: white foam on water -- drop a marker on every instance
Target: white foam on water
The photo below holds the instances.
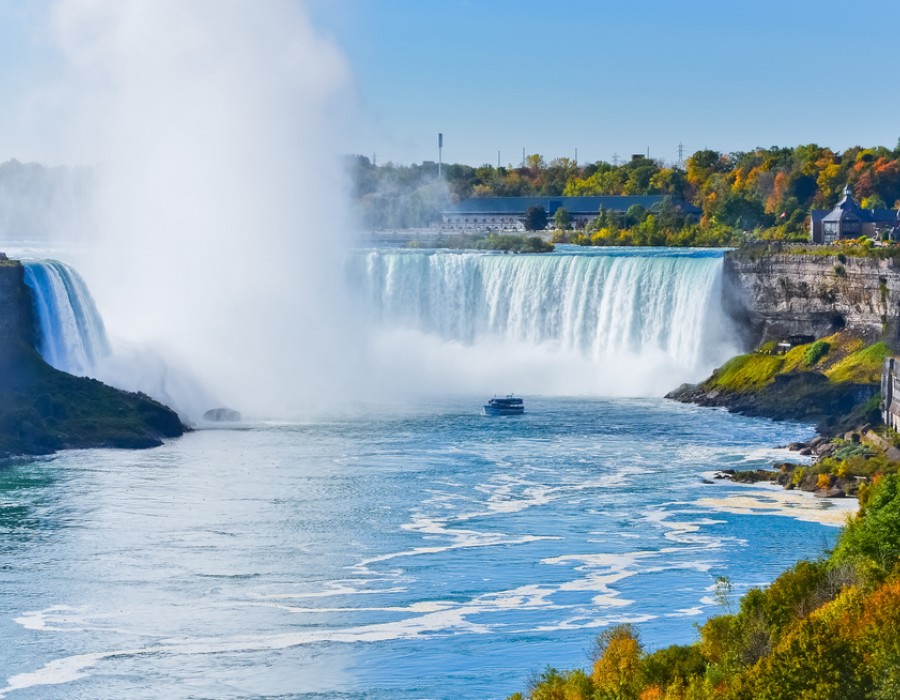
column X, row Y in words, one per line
column 52, row 619
column 586, row 622
column 602, row 570
column 681, row 531
column 57, row 672
column 800, row 506
column 468, row 540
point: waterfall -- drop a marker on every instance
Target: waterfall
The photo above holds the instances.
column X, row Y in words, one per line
column 632, row 322
column 654, row 314
column 72, row 336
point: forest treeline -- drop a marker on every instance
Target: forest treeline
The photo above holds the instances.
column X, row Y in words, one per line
column 766, row 193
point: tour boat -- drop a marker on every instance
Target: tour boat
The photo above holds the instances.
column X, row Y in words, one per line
column 509, row 406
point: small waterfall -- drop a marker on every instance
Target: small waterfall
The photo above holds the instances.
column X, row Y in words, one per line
column 634, row 311
column 72, row 336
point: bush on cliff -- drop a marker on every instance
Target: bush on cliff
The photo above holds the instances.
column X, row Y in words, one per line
column 815, row 352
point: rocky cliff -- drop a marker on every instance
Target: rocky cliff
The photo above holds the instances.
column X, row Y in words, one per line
column 43, row 409
column 15, row 312
column 777, row 295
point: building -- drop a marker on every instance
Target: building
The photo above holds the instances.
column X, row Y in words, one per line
column 508, row 213
column 849, row 220
column 890, row 393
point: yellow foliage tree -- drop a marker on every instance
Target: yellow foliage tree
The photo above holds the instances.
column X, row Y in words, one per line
column 617, row 670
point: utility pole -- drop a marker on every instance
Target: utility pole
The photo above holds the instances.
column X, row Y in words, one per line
column 498, row 160
column 576, row 156
column 615, row 160
column 680, row 155
column 440, row 154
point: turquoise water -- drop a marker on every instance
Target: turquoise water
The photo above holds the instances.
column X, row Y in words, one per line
column 425, row 553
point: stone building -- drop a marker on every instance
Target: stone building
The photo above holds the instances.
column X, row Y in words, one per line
column 849, row 220
column 507, row 213
column 890, row 393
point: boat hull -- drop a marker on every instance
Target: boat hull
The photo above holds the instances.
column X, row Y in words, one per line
column 503, row 411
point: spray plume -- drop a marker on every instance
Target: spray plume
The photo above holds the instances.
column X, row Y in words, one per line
column 219, row 233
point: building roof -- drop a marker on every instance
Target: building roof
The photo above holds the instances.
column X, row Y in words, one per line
column 884, row 215
column 516, row 206
column 846, row 209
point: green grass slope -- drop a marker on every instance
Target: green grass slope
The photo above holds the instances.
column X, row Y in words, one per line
column 43, row 410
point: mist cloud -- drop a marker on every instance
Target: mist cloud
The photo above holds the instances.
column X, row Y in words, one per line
column 219, row 236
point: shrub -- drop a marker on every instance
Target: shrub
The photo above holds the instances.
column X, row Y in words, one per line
column 823, row 481
column 673, row 664
column 815, row 352
column 553, row 685
column 871, row 541
column 813, row 662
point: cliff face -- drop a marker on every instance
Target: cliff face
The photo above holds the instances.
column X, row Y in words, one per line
column 15, row 314
column 778, row 295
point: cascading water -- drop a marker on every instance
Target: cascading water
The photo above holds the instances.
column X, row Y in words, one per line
column 72, row 336
column 73, row 339
column 625, row 322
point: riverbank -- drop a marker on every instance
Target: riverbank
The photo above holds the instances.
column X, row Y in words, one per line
column 832, row 382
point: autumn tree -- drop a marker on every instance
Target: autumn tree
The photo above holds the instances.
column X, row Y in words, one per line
column 617, row 669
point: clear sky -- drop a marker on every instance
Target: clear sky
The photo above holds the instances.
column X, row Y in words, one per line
column 616, row 77
column 602, row 77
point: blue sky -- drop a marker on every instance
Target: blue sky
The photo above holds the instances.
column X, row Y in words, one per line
column 601, row 77
column 616, row 77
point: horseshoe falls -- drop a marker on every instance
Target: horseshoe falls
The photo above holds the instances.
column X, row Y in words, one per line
column 619, row 322
column 71, row 333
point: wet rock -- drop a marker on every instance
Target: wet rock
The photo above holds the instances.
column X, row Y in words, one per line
column 826, row 449
column 833, row 492
column 222, row 415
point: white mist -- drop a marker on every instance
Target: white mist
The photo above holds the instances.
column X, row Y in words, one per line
column 220, row 235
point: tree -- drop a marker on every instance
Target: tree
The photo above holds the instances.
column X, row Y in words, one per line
column 562, row 219
column 617, row 670
column 635, row 215
column 740, row 212
column 872, row 539
column 535, row 219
